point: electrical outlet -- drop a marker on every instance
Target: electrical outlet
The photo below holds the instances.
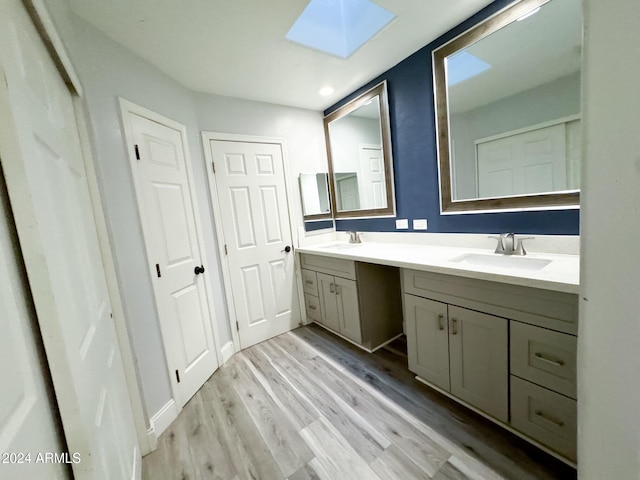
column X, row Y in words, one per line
column 420, row 224
column 402, row 224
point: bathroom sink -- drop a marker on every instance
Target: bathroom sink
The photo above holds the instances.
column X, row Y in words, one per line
column 340, row 246
column 502, row 261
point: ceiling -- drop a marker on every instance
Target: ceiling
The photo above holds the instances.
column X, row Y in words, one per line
column 237, row 48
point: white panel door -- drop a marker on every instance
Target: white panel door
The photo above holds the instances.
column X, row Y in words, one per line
column 255, row 218
column 169, row 219
column 28, row 418
column 524, row 163
column 373, row 191
column 47, row 185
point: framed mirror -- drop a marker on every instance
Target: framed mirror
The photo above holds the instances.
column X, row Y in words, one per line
column 360, row 162
column 314, row 193
column 508, row 110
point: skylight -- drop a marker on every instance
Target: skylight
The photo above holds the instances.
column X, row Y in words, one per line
column 338, row 27
column 463, row 66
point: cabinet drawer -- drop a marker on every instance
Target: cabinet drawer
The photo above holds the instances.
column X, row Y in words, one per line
column 544, row 357
column 309, row 282
column 312, row 306
column 544, row 308
column 546, row 416
column 333, row 266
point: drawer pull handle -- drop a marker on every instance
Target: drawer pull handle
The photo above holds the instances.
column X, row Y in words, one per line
column 309, row 282
column 338, row 289
column 440, row 322
column 312, row 307
column 454, row 326
column 332, row 288
column 557, row 363
column 552, row 420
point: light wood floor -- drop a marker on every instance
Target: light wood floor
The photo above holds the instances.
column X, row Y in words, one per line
column 307, row 405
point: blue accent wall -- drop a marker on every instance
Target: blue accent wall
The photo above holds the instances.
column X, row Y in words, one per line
column 317, row 225
column 411, row 108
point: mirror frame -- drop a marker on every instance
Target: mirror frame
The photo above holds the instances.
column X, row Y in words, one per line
column 315, row 216
column 381, row 91
column 542, row 201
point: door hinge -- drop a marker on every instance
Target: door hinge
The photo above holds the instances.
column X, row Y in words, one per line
column 158, row 270
column 213, row 165
column 178, row 376
column 137, row 152
column 226, row 250
column 237, row 326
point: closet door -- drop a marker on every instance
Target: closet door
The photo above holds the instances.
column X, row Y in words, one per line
column 47, row 183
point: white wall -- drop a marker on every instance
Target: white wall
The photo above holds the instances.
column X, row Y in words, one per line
column 347, row 134
column 609, row 335
column 302, row 131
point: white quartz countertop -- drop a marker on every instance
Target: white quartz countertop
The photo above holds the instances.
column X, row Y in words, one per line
column 539, row 270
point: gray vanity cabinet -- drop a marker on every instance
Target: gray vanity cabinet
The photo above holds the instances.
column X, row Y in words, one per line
column 427, row 339
column 479, row 360
column 357, row 300
column 460, row 351
column 339, row 308
column 507, row 350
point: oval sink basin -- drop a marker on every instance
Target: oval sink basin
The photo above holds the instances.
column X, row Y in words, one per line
column 502, row 261
column 339, row 246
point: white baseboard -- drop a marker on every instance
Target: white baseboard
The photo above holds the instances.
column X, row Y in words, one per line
column 227, row 351
column 164, row 417
column 150, row 442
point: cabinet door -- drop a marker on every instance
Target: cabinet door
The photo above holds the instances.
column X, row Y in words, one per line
column 328, row 305
column 348, row 309
column 479, row 360
column 427, row 339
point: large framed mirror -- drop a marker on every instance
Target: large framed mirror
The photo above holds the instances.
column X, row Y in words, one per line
column 314, row 193
column 508, row 110
column 358, row 139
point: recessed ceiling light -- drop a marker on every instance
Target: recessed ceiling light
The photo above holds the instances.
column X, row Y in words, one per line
column 338, row 27
column 325, row 91
column 528, row 14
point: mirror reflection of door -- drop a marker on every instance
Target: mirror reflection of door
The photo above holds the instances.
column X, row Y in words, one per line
column 358, row 161
column 371, row 180
column 348, row 197
column 529, row 162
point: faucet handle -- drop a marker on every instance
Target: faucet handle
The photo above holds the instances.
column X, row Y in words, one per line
column 354, row 237
column 518, row 248
column 500, row 246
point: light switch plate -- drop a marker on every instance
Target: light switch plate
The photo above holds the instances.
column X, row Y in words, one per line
column 402, row 224
column 420, row 224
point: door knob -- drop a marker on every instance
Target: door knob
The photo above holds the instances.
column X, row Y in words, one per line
column 286, row 249
column 198, row 270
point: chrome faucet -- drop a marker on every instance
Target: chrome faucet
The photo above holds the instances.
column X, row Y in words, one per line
column 509, row 244
column 354, row 237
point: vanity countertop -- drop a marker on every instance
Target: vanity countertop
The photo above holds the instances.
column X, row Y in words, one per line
column 555, row 272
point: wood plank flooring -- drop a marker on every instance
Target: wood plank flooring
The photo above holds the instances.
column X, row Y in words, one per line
column 308, row 405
